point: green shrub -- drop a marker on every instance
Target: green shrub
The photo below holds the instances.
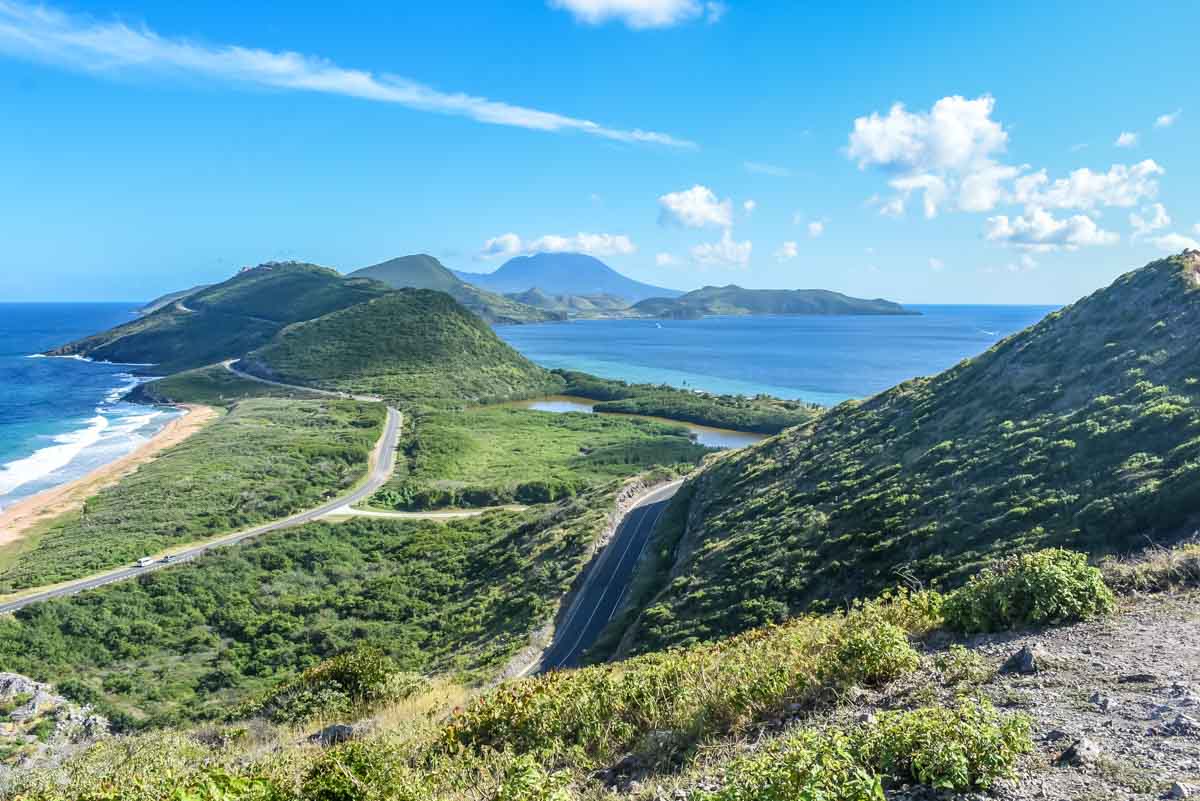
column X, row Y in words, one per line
column 813, row 765
column 869, row 651
column 960, row 665
column 965, row 748
column 364, row 676
column 1047, row 587
column 961, row 749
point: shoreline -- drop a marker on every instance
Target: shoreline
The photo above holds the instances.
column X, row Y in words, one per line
column 17, row 519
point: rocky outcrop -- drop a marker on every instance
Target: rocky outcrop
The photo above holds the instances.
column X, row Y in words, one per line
column 37, row 724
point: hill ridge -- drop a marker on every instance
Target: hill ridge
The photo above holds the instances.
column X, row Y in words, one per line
column 1082, row 431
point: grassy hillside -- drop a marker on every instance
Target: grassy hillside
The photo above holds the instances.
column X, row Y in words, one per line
column 490, row 456
column 422, row 271
column 734, row 300
column 762, row 413
column 170, row 298
column 227, row 320
column 1083, row 430
column 414, row 346
column 600, row 304
column 192, row 642
column 212, row 386
column 263, row 460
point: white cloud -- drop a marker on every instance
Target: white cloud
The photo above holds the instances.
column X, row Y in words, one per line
column 726, row 253
column 934, row 193
column 937, row 265
column 787, row 251
column 639, row 14
column 665, row 260
column 953, row 135
column 505, row 245
column 1151, row 218
column 767, row 169
column 1174, row 242
column 1167, row 120
column 984, row 189
column 1039, row 230
column 816, row 228
column 695, row 208
column 1123, row 185
column 749, row 206
column 44, row 34
column 510, row 244
column 1126, row 139
column 946, row 151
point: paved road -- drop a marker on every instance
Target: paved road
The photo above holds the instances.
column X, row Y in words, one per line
column 607, row 582
column 453, row 514
column 231, row 366
column 383, row 460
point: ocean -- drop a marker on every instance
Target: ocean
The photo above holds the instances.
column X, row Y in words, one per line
column 62, row 418
column 823, row 360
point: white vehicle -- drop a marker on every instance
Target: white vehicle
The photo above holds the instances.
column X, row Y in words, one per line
column 145, row 561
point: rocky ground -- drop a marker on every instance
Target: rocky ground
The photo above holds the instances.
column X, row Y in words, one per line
column 1115, row 703
column 36, row 725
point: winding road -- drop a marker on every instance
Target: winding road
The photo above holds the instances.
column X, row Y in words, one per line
column 231, row 366
column 607, row 582
column 383, row 461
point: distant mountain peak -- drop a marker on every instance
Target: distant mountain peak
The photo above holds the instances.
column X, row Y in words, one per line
column 564, row 274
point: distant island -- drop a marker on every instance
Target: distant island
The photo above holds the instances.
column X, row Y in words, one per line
column 422, row 271
column 565, row 274
column 733, row 300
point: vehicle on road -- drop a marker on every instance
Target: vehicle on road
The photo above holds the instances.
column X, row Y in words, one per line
column 145, row 561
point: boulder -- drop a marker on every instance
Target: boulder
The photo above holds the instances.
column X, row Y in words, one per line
column 333, row 734
column 1027, row 661
column 1082, row 752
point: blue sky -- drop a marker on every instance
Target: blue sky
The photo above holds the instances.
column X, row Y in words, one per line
column 1020, row 152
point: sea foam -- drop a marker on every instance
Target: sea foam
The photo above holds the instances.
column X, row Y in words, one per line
column 45, row 461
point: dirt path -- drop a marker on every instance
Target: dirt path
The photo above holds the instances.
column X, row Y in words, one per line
column 18, row 519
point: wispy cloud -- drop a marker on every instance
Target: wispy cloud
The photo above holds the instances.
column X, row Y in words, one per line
column 762, row 168
column 639, row 14
column 50, row 36
column 1167, row 120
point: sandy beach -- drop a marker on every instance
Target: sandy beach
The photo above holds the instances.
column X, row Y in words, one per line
column 17, row 519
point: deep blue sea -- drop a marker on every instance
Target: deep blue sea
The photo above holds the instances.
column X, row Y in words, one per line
column 819, row 359
column 62, row 418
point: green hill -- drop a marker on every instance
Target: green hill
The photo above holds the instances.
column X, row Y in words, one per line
column 1081, row 431
column 226, row 320
column 574, row 305
column 422, row 271
column 734, row 300
column 170, row 298
column 411, row 345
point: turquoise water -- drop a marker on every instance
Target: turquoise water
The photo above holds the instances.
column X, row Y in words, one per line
column 823, row 360
column 62, row 418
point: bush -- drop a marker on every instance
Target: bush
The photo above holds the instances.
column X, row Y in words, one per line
column 961, row 749
column 811, row 765
column 965, row 748
column 364, row 676
column 1047, row 587
column 869, row 652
